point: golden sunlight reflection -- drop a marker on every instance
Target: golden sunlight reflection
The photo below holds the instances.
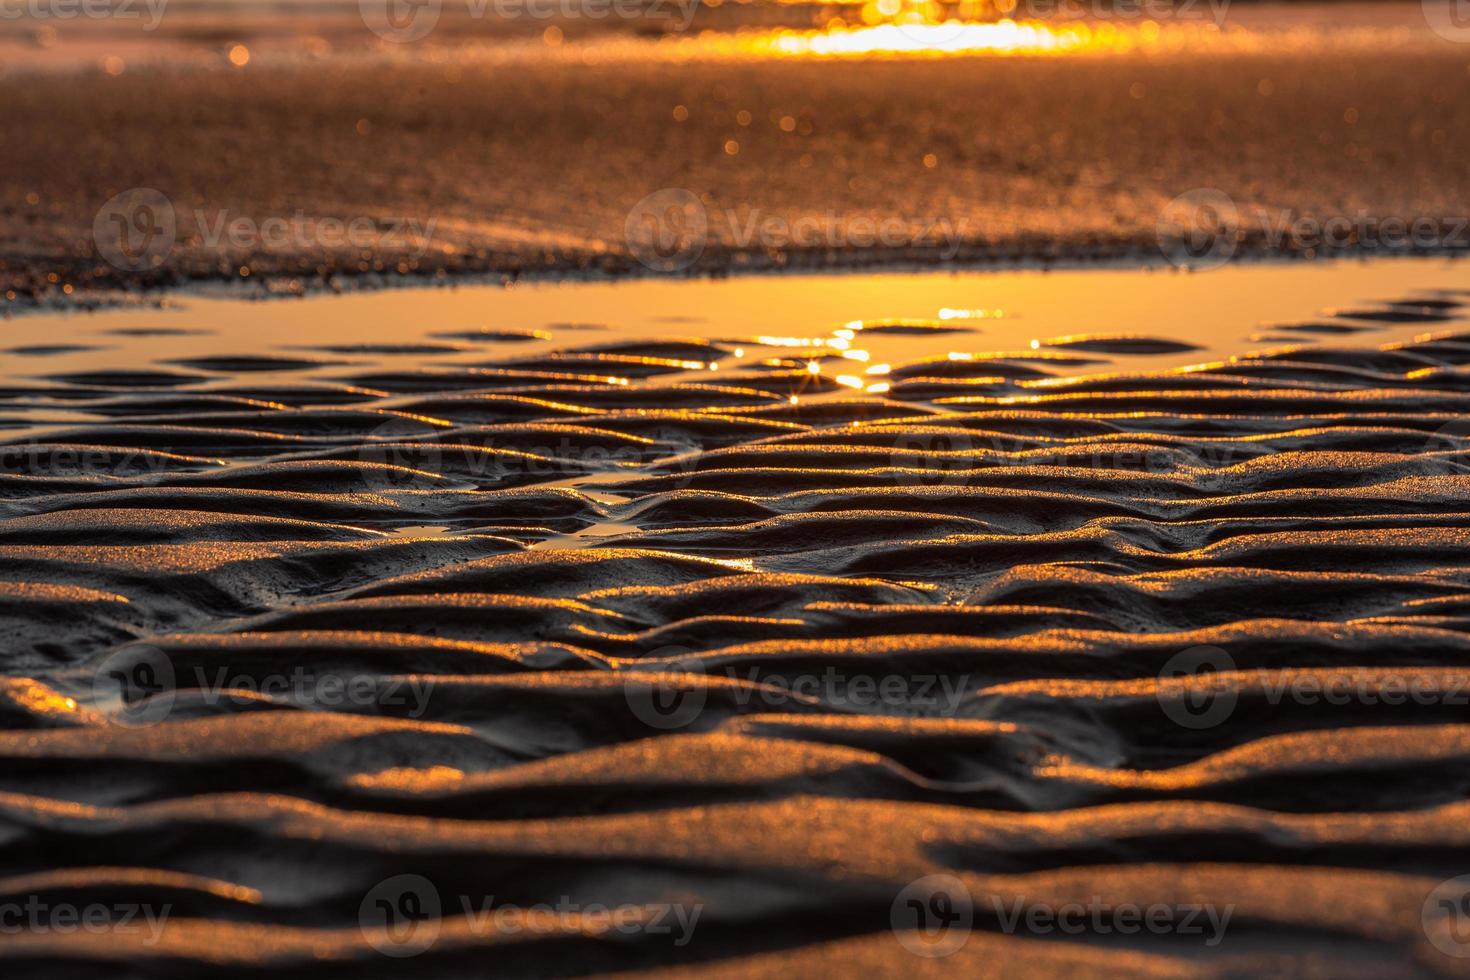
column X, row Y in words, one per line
column 1006, row 36
column 39, row 699
column 949, row 314
column 908, row 34
column 409, row 779
column 788, row 342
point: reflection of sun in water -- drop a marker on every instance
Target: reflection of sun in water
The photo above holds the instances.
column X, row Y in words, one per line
column 1005, row 36
column 929, row 27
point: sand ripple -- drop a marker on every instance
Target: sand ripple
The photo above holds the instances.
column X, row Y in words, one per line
column 600, row 628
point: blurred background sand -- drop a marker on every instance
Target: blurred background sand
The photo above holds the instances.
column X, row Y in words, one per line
column 526, row 143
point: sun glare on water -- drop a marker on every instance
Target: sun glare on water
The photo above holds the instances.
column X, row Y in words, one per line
column 1006, row 36
column 907, row 34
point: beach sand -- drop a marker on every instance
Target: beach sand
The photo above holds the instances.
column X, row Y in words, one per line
column 543, row 621
column 418, row 659
column 518, row 157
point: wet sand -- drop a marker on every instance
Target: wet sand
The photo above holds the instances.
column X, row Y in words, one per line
column 747, row 644
column 741, row 628
column 519, row 157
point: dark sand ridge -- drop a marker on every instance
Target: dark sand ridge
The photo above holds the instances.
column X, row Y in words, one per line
column 533, row 163
column 1026, row 556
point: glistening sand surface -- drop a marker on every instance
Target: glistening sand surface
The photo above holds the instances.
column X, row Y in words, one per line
column 675, row 640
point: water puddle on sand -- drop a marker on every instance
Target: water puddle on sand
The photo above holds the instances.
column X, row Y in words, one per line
column 839, row 325
column 584, row 385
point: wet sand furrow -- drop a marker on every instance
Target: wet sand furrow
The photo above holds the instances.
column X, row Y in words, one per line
column 593, row 624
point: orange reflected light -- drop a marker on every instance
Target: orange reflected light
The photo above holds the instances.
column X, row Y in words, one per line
column 949, row 314
column 944, row 37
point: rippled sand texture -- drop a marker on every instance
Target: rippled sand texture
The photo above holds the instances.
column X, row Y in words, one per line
column 581, row 594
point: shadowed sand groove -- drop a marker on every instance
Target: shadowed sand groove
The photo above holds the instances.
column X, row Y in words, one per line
column 607, row 627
